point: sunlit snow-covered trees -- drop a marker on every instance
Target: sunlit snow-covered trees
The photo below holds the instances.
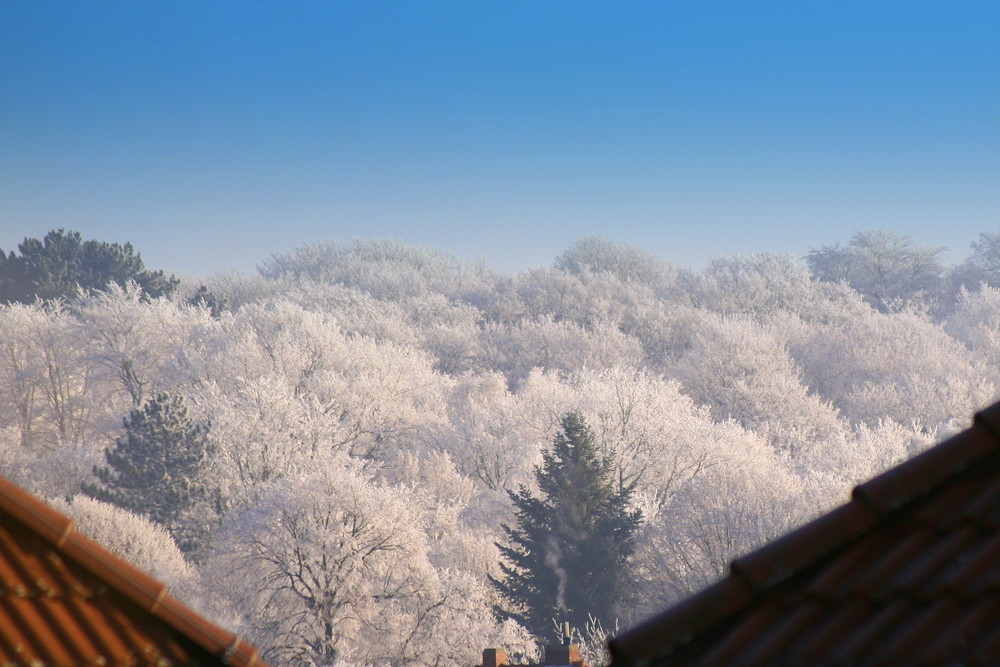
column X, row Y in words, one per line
column 331, row 566
column 400, row 390
column 553, row 345
column 975, row 322
column 385, row 268
column 765, row 285
column 982, row 266
column 628, row 263
column 891, row 270
column 899, row 366
column 713, row 518
column 132, row 537
column 740, row 370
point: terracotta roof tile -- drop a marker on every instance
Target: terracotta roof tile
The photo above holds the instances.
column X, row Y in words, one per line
column 786, row 556
column 907, row 572
column 830, row 634
column 65, row 600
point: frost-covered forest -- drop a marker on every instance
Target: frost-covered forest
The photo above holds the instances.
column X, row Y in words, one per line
column 361, row 410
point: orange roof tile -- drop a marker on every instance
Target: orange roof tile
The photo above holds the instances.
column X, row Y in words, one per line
column 65, row 600
column 906, row 573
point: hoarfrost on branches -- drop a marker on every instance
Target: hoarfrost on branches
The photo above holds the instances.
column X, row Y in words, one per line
column 371, row 403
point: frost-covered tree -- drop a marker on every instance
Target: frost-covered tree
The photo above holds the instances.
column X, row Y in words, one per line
column 385, row 268
column 553, row 345
column 134, row 538
column 741, row 370
column 567, row 559
column 764, row 285
column 51, row 400
column 975, row 322
column 715, row 517
column 585, row 298
column 331, row 566
column 655, row 437
column 157, row 468
column 141, row 346
column 596, row 254
column 490, row 435
column 981, row 267
column 899, row 366
column 44, row 382
column 891, row 270
column 354, row 393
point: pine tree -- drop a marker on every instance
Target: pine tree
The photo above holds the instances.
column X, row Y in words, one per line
column 62, row 263
column 568, row 556
column 205, row 298
column 157, row 468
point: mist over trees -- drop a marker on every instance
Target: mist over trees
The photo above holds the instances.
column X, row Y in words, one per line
column 345, row 428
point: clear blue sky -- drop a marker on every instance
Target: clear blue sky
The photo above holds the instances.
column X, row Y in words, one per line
column 211, row 134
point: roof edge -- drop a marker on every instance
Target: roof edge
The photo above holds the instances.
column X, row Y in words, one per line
column 123, row 577
column 686, row 619
column 926, row 471
column 785, row 557
column 749, row 576
column 50, row 524
column 768, row 566
column 989, row 418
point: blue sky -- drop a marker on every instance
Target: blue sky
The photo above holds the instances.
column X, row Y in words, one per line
column 211, row 134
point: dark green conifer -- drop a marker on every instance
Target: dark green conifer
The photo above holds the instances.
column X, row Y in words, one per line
column 568, row 556
column 205, row 298
column 60, row 264
column 157, row 468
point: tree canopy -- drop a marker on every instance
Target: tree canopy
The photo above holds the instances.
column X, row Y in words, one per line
column 62, row 263
column 890, row 269
column 386, row 397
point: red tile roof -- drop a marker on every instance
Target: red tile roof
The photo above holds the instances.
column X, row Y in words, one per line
column 65, row 600
column 906, row 573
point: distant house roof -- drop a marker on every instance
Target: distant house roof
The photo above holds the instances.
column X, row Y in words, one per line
column 906, row 573
column 65, row 600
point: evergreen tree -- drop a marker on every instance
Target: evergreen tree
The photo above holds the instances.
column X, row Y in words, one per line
column 157, row 469
column 54, row 268
column 569, row 553
column 205, row 298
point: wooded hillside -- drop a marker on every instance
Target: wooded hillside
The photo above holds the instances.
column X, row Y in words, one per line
column 364, row 409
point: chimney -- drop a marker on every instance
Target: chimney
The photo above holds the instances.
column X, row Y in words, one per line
column 564, row 654
column 494, row 657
